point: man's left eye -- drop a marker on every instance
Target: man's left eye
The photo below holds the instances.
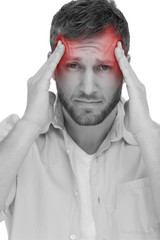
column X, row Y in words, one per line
column 104, row 67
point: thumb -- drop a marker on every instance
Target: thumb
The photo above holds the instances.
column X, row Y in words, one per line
column 126, row 106
column 52, row 98
column 126, row 120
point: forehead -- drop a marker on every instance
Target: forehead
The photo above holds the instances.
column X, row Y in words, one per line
column 100, row 45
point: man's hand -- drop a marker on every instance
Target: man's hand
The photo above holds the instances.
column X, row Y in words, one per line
column 38, row 110
column 137, row 117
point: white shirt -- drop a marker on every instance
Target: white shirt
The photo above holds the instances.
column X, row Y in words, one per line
column 82, row 168
column 43, row 203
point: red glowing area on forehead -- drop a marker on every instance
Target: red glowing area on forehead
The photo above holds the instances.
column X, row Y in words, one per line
column 102, row 46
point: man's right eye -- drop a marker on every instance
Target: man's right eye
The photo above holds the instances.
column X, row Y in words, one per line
column 72, row 65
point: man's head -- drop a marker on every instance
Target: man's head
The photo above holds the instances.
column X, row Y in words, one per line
column 87, row 19
column 88, row 78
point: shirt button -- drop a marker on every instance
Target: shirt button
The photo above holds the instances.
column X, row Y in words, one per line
column 68, row 151
column 73, row 236
column 76, row 193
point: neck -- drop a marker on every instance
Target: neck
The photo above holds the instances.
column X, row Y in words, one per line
column 89, row 138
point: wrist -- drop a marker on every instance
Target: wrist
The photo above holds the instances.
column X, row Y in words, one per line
column 31, row 125
column 150, row 131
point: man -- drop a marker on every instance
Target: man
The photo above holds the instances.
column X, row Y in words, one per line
column 83, row 164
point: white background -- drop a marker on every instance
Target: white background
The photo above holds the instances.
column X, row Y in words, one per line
column 24, row 44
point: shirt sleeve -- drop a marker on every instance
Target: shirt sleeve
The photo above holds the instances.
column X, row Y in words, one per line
column 9, row 204
column 5, row 127
column 7, row 124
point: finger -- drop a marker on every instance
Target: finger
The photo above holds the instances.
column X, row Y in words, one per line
column 52, row 64
column 129, row 75
column 52, row 98
column 44, row 65
column 52, row 61
column 122, row 61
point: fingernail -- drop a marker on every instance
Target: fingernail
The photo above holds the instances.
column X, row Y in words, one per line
column 59, row 43
column 119, row 44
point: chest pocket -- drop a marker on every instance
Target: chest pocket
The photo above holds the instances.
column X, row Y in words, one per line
column 135, row 209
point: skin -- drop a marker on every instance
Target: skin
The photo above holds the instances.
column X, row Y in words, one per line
column 85, row 136
column 95, row 76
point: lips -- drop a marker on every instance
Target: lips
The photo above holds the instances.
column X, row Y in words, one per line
column 88, row 104
column 86, row 101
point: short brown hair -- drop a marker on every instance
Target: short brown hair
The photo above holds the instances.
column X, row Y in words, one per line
column 89, row 18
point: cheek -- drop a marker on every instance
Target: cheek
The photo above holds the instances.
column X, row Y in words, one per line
column 111, row 89
column 113, row 78
column 64, row 76
column 66, row 82
column 112, row 82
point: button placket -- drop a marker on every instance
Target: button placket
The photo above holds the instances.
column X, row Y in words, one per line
column 67, row 143
column 76, row 193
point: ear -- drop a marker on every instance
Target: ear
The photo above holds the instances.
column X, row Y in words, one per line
column 48, row 56
column 129, row 58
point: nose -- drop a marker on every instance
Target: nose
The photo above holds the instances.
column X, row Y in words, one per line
column 88, row 81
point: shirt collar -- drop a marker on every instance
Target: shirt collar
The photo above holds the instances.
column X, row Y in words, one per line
column 117, row 132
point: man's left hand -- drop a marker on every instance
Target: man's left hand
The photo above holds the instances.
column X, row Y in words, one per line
column 137, row 117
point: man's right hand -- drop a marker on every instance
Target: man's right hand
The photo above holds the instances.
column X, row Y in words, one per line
column 38, row 99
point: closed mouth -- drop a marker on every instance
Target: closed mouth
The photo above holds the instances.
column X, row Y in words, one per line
column 85, row 101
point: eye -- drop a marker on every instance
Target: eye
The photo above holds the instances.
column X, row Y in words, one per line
column 104, row 67
column 72, row 65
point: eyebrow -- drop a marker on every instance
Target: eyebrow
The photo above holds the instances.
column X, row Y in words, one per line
column 73, row 58
column 69, row 58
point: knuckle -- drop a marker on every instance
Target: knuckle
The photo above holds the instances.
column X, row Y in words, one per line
column 14, row 118
column 143, row 87
column 29, row 81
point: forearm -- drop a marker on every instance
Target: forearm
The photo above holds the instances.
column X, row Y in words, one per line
column 13, row 150
column 149, row 143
